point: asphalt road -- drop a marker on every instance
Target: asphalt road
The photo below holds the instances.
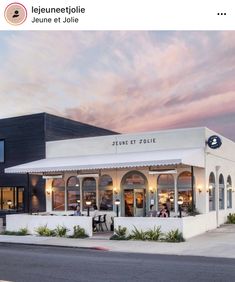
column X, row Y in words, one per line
column 25, row 263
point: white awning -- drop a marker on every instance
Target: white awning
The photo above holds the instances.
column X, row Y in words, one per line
column 191, row 157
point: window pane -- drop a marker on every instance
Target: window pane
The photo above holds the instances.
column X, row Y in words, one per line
column 20, row 199
column 1, row 151
column 133, row 180
column 58, row 195
column 165, row 188
column 73, row 198
column 221, row 192
column 106, row 193
column 211, row 192
column 89, row 191
column 184, row 187
column 229, row 192
column 8, row 202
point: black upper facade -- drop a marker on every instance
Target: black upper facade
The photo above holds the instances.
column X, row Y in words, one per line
column 24, row 139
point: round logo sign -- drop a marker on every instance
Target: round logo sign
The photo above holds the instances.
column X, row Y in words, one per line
column 214, row 142
column 15, row 13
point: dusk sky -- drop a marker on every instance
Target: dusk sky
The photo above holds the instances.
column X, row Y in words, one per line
column 124, row 81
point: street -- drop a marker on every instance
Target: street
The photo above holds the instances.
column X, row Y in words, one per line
column 26, row 263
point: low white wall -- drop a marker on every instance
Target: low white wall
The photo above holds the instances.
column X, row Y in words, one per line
column 145, row 223
column 1, row 224
column 195, row 225
column 31, row 222
column 189, row 226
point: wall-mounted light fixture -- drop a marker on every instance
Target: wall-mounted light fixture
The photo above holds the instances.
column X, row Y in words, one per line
column 115, row 190
column 48, row 191
column 199, row 188
column 210, row 187
column 151, row 190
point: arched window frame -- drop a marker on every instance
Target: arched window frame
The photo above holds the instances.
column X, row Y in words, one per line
column 185, row 192
column 73, row 193
column 89, row 192
column 221, row 191
column 105, row 193
column 229, row 192
column 211, row 187
column 166, row 194
column 127, row 209
column 58, row 195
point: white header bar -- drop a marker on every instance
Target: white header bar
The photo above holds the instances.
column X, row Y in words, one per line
column 117, row 15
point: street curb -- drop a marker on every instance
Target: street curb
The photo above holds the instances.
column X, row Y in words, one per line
column 97, row 248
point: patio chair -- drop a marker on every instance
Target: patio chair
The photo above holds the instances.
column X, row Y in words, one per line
column 102, row 221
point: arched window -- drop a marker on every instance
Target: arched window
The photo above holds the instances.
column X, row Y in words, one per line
column 184, row 187
column 211, row 192
column 166, row 191
column 89, row 191
column 58, row 195
column 106, row 193
column 134, row 180
column 73, row 192
column 133, row 185
column 221, row 192
column 229, row 192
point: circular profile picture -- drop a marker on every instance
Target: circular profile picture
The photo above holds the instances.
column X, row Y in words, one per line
column 15, row 13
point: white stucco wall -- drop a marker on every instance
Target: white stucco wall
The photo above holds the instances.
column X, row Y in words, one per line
column 126, row 143
column 31, row 222
column 189, row 226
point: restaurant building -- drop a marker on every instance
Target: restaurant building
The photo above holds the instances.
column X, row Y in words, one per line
column 194, row 165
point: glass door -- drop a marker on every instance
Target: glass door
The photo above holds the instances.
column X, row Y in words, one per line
column 129, row 202
column 134, row 202
column 139, row 202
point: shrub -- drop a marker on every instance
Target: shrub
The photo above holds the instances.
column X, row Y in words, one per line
column 21, row 232
column 192, row 211
column 138, row 235
column 154, row 234
column 79, row 232
column 119, row 234
column 174, row 236
column 61, row 231
column 231, row 218
column 45, row 231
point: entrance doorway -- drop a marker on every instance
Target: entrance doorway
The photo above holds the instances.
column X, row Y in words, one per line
column 134, row 202
column 134, row 185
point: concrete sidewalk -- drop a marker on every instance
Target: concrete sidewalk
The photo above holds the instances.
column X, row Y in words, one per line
column 217, row 243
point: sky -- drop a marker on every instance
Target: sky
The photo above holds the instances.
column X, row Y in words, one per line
column 127, row 81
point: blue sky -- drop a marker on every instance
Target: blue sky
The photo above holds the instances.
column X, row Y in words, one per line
column 126, row 81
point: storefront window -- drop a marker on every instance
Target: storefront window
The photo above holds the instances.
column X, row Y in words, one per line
column 184, row 187
column 106, row 193
column 58, row 195
column 12, row 198
column 73, row 193
column 165, row 188
column 221, row 192
column 212, row 192
column 89, row 191
column 229, row 192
